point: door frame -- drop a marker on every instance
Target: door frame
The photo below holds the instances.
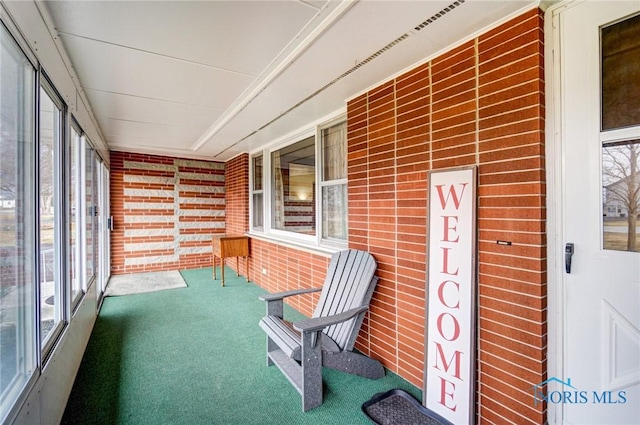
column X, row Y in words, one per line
column 554, row 149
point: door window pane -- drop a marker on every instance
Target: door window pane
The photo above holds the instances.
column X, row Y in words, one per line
column 293, row 187
column 621, row 196
column 50, row 290
column 17, row 209
column 621, row 74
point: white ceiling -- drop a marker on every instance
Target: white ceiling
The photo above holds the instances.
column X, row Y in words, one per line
column 212, row 79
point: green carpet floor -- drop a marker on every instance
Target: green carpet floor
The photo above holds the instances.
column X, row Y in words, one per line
column 196, row 355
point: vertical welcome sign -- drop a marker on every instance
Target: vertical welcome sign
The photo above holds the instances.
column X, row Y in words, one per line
column 451, row 275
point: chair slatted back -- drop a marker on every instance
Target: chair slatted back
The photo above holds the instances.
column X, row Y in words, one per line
column 349, row 284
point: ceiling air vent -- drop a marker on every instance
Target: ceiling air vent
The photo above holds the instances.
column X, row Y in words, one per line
column 440, row 14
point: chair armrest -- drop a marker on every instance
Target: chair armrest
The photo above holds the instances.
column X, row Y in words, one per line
column 319, row 323
column 281, row 295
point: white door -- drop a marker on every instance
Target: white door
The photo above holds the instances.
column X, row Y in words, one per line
column 105, row 230
column 599, row 60
column 102, row 230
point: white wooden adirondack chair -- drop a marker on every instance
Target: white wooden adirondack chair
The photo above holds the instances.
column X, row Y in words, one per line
column 300, row 349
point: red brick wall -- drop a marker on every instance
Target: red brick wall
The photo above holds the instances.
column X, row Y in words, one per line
column 482, row 104
column 237, row 199
column 513, row 291
column 279, row 268
column 165, row 211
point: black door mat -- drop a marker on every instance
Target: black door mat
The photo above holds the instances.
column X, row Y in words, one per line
column 397, row 407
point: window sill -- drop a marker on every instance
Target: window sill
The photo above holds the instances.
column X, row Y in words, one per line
column 323, row 250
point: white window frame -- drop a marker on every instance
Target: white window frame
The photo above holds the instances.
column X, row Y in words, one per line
column 268, row 193
column 78, row 187
column 31, row 353
column 254, row 191
column 335, row 242
column 312, row 242
column 62, row 289
column 86, row 144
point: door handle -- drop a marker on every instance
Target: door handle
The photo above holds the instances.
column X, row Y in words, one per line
column 568, row 253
